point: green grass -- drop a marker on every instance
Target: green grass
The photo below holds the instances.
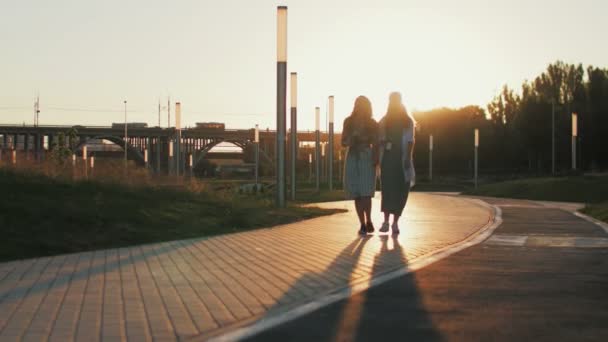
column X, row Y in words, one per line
column 584, row 189
column 598, row 210
column 44, row 216
column 592, row 190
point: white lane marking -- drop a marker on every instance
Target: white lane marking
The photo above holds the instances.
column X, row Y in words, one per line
column 586, row 242
column 603, row 225
column 507, row 240
column 300, row 311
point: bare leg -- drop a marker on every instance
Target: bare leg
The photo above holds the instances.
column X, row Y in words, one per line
column 395, row 225
column 386, row 216
column 359, row 208
column 367, row 208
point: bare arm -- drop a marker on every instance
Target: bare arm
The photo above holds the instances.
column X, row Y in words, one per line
column 410, row 150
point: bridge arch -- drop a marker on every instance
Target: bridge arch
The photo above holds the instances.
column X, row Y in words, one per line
column 132, row 152
column 202, row 153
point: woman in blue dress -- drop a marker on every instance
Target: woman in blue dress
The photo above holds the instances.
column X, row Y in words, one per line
column 396, row 160
column 360, row 136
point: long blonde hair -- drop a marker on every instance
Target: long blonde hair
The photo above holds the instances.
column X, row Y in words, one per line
column 396, row 114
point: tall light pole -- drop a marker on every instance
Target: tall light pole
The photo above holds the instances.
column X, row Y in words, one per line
column 191, row 165
column 323, row 163
column 476, row 153
column 281, row 102
column 310, row 167
column 294, row 132
column 178, row 137
column 257, row 155
column 574, row 135
column 170, row 162
column 553, row 136
column 340, row 165
column 318, row 148
column 430, row 158
column 84, row 161
column 330, row 152
column 126, row 137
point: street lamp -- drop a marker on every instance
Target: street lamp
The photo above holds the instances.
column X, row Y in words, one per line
column 553, row 136
column 126, row 137
column 178, row 142
column 330, row 154
column 317, row 148
column 146, row 157
column 476, row 153
column 340, row 165
column 84, row 161
column 294, row 131
column 191, row 164
column 430, row 157
column 310, row 167
column 256, row 140
column 92, row 164
column 574, row 135
column 281, row 102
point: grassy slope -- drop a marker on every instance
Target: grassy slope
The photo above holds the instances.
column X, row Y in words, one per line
column 42, row 216
column 586, row 189
column 592, row 190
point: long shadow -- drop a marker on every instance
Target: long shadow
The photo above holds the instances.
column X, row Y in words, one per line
column 392, row 310
column 343, row 263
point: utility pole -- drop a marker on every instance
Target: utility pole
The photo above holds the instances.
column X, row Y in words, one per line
column 37, row 111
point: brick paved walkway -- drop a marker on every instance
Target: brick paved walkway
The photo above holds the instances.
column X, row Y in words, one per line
column 191, row 288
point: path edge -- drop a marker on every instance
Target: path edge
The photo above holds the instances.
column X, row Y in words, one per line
column 279, row 318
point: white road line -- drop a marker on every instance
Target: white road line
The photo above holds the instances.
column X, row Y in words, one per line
column 507, row 240
column 282, row 318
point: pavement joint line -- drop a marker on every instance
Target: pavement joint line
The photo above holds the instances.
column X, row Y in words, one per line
column 279, row 318
column 597, row 222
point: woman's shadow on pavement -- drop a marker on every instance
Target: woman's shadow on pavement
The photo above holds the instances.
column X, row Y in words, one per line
column 392, row 310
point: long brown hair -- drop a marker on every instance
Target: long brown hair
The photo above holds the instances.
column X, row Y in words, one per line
column 360, row 120
column 362, row 111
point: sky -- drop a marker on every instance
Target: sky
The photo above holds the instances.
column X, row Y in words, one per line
column 218, row 58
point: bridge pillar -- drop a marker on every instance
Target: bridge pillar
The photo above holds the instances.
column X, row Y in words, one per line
column 26, row 146
column 41, row 146
column 37, row 147
column 157, row 147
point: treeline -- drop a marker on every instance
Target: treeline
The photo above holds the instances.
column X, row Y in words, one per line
column 516, row 127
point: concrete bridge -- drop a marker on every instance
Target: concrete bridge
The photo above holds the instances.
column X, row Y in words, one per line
column 38, row 140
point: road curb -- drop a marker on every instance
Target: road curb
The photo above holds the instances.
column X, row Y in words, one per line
column 603, row 225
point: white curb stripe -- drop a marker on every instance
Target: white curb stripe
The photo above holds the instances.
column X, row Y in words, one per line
column 603, row 225
column 274, row 321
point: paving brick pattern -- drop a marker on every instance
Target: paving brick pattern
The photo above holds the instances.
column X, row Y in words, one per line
column 182, row 289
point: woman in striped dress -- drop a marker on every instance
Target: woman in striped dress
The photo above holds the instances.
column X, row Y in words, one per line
column 359, row 136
